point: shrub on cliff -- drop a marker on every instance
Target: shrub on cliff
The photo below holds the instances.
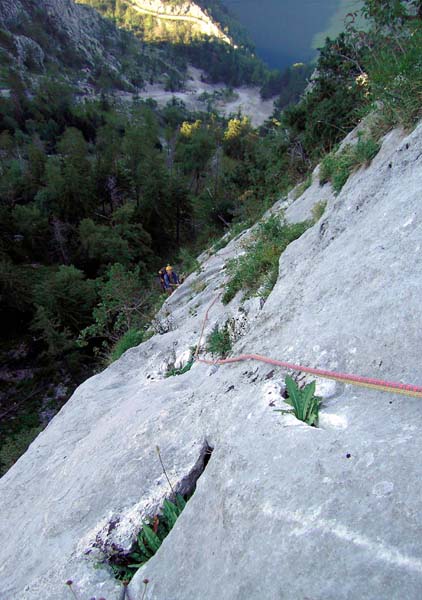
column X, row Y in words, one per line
column 256, row 270
column 337, row 167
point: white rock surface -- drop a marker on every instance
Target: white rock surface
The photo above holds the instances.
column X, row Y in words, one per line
column 283, row 511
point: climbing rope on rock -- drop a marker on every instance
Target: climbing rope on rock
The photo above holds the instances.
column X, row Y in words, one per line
column 367, row 382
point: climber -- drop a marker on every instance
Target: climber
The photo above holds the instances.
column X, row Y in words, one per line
column 171, row 280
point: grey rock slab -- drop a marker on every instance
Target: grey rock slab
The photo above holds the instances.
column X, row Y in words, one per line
column 301, row 209
column 283, row 511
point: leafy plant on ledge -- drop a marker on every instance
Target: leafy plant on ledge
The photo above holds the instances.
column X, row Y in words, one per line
column 173, row 372
column 219, row 342
column 304, row 402
column 149, row 540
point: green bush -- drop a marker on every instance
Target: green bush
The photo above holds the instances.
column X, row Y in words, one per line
column 127, row 304
column 188, row 261
column 132, row 338
column 337, row 166
column 395, row 76
column 257, row 270
column 304, row 402
column 219, row 342
column 7, row 41
column 15, row 446
column 64, row 300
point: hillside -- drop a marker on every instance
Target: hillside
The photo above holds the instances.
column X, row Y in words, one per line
column 159, row 21
column 62, row 40
column 73, row 42
column 276, row 494
column 202, row 34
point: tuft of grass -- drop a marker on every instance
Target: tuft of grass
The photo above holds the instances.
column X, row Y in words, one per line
column 302, row 187
column 337, row 166
column 198, row 286
column 219, row 341
column 232, row 233
column 304, row 402
column 318, row 210
column 257, row 270
column 132, row 338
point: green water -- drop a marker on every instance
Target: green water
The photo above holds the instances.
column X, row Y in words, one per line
column 287, row 31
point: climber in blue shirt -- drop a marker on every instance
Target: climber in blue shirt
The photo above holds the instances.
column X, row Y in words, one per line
column 171, row 280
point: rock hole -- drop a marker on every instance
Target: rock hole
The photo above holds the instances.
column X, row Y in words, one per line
column 149, row 538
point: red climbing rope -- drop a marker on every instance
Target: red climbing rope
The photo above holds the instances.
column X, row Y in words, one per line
column 368, row 382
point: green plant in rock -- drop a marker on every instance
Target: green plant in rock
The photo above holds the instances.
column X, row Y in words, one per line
column 304, row 402
column 133, row 337
column 219, row 341
column 302, row 187
column 149, row 539
column 256, row 271
column 318, row 210
column 173, row 372
column 337, row 166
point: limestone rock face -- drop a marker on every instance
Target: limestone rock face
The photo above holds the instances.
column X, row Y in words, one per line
column 10, row 10
column 283, row 510
column 73, row 26
column 28, row 50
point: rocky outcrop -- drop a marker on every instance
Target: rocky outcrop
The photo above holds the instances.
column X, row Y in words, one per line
column 28, row 52
column 38, row 32
column 283, row 510
column 78, row 25
column 11, row 11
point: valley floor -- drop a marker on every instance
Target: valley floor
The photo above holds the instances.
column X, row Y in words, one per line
column 246, row 100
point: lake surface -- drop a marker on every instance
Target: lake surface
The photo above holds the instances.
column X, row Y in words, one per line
column 287, row 31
